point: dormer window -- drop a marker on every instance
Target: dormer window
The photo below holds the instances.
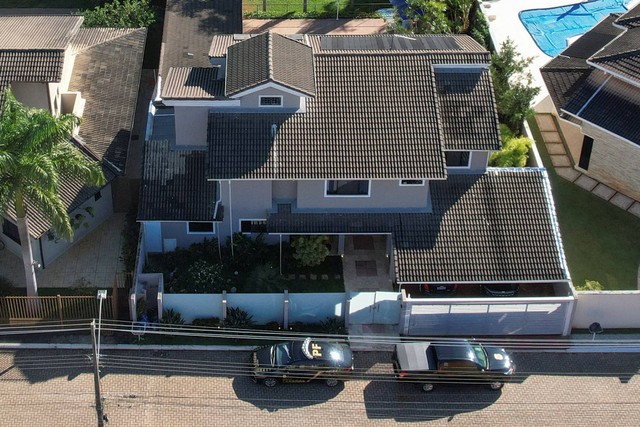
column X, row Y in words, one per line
column 271, row 101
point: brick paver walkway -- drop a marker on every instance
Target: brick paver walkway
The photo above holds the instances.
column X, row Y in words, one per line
column 562, row 163
column 205, row 389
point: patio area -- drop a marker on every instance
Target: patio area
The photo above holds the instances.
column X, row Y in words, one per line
column 91, row 262
column 365, row 264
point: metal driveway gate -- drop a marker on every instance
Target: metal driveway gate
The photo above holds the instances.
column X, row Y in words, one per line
column 486, row 317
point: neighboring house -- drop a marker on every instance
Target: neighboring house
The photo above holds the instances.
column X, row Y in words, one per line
column 349, row 136
column 595, row 87
column 50, row 62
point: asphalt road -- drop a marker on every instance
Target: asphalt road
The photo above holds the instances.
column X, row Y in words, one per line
column 196, row 388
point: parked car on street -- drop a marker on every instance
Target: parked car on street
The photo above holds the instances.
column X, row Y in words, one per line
column 501, row 290
column 452, row 361
column 302, row 361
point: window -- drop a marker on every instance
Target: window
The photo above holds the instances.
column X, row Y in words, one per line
column 347, row 188
column 585, row 153
column 412, row 182
column 10, row 230
column 271, row 101
column 199, row 227
column 97, row 196
column 457, row 159
column 253, row 226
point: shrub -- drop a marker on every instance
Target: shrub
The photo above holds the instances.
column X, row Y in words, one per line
column 513, row 86
column 209, row 322
column 172, row 317
column 333, row 325
column 129, row 249
column 201, row 277
column 141, row 309
column 590, row 285
column 247, row 251
column 310, row 250
column 514, row 153
column 120, row 14
column 238, row 318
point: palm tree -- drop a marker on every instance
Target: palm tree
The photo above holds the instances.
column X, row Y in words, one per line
column 36, row 156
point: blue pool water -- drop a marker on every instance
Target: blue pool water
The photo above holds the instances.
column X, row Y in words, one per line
column 551, row 28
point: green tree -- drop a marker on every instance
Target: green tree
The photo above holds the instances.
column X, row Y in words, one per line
column 514, row 153
column 120, row 14
column 459, row 15
column 513, row 86
column 425, row 17
column 36, row 156
column 310, row 250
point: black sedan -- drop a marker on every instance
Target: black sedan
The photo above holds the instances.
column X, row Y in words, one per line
column 452, row 361
column 302, row 361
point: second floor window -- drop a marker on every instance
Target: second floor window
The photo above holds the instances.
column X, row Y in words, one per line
column 347, row 188
column 457, row 159
column 271, row 101
column 200, row 227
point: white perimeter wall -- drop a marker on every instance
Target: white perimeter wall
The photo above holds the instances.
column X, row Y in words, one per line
column 614, row 309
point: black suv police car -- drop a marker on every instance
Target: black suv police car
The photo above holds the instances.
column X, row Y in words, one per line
column 302, row 361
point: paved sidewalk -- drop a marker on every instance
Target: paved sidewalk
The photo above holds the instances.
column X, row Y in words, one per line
column 564, row 167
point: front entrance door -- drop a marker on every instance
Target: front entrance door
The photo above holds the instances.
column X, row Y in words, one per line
column 374, row 308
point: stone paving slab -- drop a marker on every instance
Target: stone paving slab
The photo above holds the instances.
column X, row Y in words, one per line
column 603, row 191
column 635, row 209
column 546, row 123
column 570, row 174
column 560, row 161
column 551, row 137
column 555, row 148
column 621, row 201
column 586, row 182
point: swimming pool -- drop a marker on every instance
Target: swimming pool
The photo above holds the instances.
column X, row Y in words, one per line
column 552, row 28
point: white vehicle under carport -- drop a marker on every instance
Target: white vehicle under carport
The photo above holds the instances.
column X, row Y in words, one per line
column 454, row 361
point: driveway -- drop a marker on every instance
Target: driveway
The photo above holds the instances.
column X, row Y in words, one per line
column 211, row 388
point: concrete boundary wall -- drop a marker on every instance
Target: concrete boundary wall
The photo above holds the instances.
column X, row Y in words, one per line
column 612, row 309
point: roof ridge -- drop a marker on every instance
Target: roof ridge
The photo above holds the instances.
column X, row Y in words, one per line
column 270, row 54
column 615, row 55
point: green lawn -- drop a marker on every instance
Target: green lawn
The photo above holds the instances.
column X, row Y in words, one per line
column 601, row 241
column 315, row 8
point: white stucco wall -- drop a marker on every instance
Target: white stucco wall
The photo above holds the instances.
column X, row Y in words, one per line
column 612, row 309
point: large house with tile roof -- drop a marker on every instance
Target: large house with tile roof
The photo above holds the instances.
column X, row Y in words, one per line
column 52, row 62
column 595, row 87
column 349, row 136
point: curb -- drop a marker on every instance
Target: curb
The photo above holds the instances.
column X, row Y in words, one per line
column 62, row 346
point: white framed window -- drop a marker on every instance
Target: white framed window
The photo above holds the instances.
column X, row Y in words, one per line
column 458, row 159
column 347, row 188
column 270, row 101
column 248, row 226
column 411, row 182
column 199, row 227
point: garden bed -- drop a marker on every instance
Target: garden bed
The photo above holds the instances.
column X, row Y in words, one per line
column 254, row 267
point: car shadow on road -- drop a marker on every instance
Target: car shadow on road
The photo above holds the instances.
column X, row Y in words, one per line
column 406, row 402
column 621, row 365
column 283, row 396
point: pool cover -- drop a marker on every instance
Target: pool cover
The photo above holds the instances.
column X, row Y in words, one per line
column 551, row 28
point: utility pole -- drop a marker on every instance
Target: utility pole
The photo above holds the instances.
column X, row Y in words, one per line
column 96, row 375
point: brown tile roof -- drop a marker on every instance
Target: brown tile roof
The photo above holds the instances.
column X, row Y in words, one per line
column 108, row 76
column 621, row 56
column 467, row 109
column 631, row 18
column 499, row 226
column 269, row 57
column 174, row 185
column 363, row 123
column 193, row 83
column 31, row 65
column 189, row 26
column 54, row 32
